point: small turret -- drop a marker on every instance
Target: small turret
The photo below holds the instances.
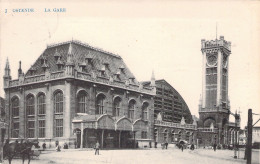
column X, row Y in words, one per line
column 20, row 72
column 69, row 63
column 7, row 76
column 153, row 80
column 152, row 85
column 7, row 69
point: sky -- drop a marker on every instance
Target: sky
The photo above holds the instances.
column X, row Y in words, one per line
column 164, row 36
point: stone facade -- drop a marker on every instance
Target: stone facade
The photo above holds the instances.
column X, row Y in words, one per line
column 72, row 85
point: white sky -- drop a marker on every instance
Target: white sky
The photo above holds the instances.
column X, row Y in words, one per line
column 162, row 36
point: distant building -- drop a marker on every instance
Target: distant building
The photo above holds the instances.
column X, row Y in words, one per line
column 79, row 94
column 256, row 134
column 173, row 120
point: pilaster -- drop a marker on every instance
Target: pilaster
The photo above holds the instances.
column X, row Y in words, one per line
column 66, row 116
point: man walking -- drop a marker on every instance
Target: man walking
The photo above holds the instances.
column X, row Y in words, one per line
column 166, row 144
column 97, row 148
column 215, row 146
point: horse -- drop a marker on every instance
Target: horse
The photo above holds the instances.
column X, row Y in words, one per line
column 24, row 149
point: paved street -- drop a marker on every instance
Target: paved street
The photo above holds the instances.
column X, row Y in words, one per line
column 142, row 156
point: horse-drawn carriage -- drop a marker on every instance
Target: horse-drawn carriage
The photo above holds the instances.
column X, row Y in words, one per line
column 20, row 150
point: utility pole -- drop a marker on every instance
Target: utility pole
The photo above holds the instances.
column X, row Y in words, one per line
column 249, row 138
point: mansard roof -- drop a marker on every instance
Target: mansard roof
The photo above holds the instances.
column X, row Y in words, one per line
column 80, row 52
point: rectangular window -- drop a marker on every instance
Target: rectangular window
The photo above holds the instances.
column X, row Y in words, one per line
column 59, row 127
column 41, row 108
column 41, row 128
column 144, row 135
column 131, row 113
column 15, row 130
column 31, row 129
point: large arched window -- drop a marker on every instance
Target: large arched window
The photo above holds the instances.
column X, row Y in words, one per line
column 131, row 109
column 58, row 114
column 30, row 111
column 30, row 105
column 15, row 117
column 41, row 104
column 144, row 110
column 82, row 102
column 100, row 104
column 116, row 106
column 58, row 102
column 15, row 107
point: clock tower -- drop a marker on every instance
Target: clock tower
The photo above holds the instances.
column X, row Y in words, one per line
column 214, row 104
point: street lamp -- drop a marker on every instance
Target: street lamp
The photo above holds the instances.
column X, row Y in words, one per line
column 237, row 117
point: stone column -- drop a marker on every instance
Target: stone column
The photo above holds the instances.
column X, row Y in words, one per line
column 81, row 135
column 49, row 113
column 67, row 123
column 219, row 78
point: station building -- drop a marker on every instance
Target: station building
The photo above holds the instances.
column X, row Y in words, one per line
column 173, row 121
column 79, row 94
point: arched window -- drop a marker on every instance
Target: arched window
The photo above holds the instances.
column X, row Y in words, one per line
column 15, row 117
column 58, row 114
column 100, row 104
column 30, row 111
column 145, row 110
column 58, row 102
column 117, row 105
column 131, row 109
column 30, row 105
column 41, row 104
column 82, row 102
column 15, row 107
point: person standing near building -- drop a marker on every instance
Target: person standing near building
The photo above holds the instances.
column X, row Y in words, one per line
column 97, row 148
column 215, row 146
column 166, row 144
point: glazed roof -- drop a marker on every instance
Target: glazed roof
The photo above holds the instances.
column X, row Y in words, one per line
column 78, row 53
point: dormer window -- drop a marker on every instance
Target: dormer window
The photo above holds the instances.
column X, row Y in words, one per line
column 106, row 64
column 122, row 68
column 43, row 59
column 59, row 63
column 88, row 58
column 44, row 65
column 57, row 54
column 132, row 80
column 32, row 70
column 117, row 74
column 82, row 65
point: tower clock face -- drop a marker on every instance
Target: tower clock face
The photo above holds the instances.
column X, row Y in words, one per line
column 211, row 60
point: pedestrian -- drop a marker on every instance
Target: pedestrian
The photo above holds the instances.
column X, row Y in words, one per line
column 166, row 144
column 97, row 148
column 75, row 144
column 155, row 144
column 56, row 143
column 58, row 148
column 215, row 146
column 192, row 147
column 44, row 146
column 182, row 147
